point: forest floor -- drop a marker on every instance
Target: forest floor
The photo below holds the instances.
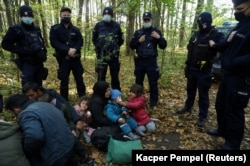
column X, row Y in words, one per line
column 174, row 131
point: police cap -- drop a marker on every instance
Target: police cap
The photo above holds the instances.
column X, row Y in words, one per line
column 26, row 11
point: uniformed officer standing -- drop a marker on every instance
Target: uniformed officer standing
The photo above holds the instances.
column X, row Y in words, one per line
column 145, row 41
column 26, row 41
column 107, row 37
column 68, row 41
column 234, row 91
column 198, row 66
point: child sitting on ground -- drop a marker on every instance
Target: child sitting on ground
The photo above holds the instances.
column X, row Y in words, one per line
column 120, row 116
column 82, row 109
column 136, row 104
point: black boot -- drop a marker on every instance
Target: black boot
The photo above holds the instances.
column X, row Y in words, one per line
column 183, row 110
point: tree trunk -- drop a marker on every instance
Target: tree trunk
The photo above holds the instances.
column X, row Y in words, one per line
column 200, row 5
column 182, row 26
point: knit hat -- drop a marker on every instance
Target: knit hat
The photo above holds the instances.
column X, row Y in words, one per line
column 147, row 15
column 205, row 17
column 108, row 10
column 114, row 93
column 238, row 2
column 63, row 9
column 26, row 11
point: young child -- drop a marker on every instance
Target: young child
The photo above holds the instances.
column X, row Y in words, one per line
column 82, row 108
column 136, row 104
column 120, row 115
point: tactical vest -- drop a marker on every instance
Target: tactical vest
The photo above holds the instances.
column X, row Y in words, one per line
column 108, row 38
column 201, row 50
column 31, row 40
column 147, row 48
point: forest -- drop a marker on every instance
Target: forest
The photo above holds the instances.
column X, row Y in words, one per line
column 177, row 21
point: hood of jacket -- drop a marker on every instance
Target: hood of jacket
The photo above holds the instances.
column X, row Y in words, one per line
column 7, row 129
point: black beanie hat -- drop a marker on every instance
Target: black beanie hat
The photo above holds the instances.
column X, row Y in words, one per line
column 205, row 17
column 26, row 11
column 238, row 2
column 108, row 10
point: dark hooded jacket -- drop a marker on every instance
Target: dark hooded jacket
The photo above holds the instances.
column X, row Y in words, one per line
column 11, row 152
column 97, row 104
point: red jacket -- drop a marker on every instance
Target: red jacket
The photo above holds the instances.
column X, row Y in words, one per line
column 138, row 110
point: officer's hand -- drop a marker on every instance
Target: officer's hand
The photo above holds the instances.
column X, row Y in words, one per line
column 155, row 35
column 230, row 38
column 142, row 38
column 211, row 43
column 71, row 52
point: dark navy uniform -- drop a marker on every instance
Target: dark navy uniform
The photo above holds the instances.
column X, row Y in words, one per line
column 62, row 39
column 107, row 38
column 198, row 66
column 146, row 59
column 234, row 91
column 26, row 41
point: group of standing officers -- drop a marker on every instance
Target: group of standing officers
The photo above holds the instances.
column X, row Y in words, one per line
column 26, row 41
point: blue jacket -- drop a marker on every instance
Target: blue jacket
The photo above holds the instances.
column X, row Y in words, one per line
column 114, row 111
column 47, row 138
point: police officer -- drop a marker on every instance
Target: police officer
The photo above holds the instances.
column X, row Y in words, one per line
column 234, row 91
column 145, row 41
column 26, row 41
column 68, row 41
column 198, row 66
column 107, row 38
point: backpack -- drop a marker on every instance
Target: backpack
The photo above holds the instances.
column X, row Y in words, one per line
column 100, row 137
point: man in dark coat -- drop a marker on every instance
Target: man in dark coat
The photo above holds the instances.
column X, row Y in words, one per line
column 234, row 91
column 107, row 37
column 25, row 40
column 198, row 66
column 68, row 41
column 145, row 41
column 47, row 139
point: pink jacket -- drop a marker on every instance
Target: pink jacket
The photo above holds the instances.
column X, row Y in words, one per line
column 138, row 110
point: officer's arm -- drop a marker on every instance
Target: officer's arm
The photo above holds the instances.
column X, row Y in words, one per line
column 79, row 42
column 134, row 42
column 56, row 43
column 95, row 34
column 120, row 37
column 10, row 39
column 162, row 42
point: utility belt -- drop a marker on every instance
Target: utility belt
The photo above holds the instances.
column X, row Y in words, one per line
column 201, row 65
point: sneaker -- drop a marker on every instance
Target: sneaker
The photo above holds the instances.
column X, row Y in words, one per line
column 184, row 110
column 201, row 123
